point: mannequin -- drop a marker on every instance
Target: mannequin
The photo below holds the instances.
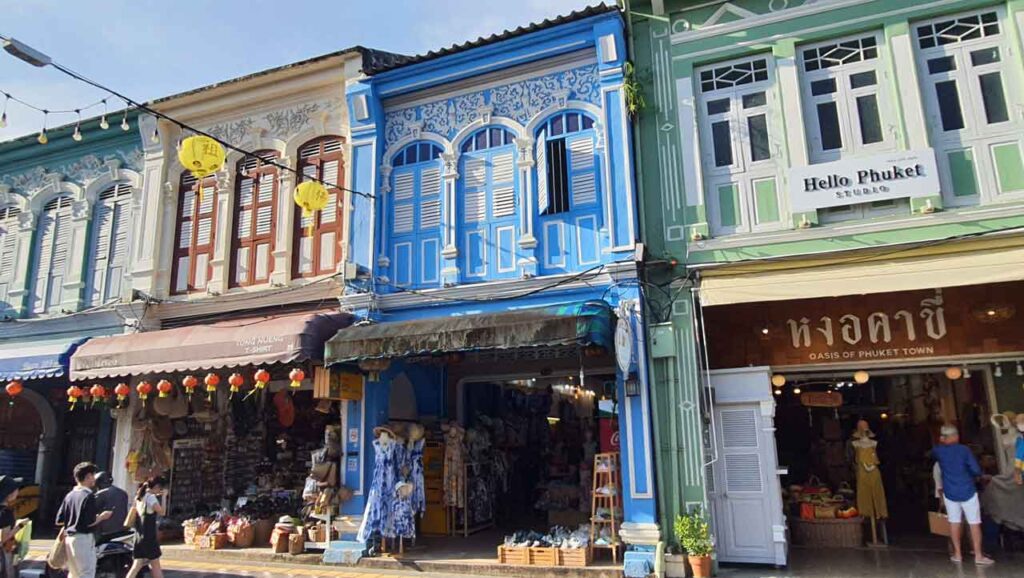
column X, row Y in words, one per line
column 870, row 491
column 1007, row 432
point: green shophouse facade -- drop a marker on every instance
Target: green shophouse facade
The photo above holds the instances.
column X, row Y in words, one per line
column 766, row 162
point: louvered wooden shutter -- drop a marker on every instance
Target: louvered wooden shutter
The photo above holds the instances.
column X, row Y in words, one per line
column 111, row 227
column 196, row 235
column 319, row 252
column 503, row 192
column 255, row 212
column 475, row 198
column 8, row 251
column 53, row 254
column 541, row 154
column 582, row 165
column 430, row 199
column 742, row 462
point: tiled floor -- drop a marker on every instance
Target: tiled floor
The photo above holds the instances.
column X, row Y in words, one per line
column 888, row 563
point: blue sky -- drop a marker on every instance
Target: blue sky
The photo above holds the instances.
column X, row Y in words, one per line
column 152, row 48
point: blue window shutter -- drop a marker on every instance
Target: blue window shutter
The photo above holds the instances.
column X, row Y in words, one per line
column 542, row 170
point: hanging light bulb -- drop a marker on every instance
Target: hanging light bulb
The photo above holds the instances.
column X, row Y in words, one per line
column 77, row 135
column 967, row 372
column 155, row 137
column 124, row 121
column 796, row 391
column 778, row 392
column 42, row 138
column 103, row 119
column 999, row 370
column 3, row 116
column 1020, row 368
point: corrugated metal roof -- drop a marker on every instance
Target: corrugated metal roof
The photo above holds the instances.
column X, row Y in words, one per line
column 398, row 61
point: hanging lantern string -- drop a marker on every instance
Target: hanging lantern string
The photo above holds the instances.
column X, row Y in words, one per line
column 196, row 131
column 10, row 97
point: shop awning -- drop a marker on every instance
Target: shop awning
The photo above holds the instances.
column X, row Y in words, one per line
column 36, row 359
column 239, row 342
column 943, row 266
column 577, row 324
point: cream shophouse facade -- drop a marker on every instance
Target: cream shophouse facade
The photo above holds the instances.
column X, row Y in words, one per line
column 828, row 187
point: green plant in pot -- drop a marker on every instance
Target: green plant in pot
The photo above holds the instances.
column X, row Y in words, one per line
column 694, row 534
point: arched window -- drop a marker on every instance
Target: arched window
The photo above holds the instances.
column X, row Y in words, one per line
column 109, row 244
column 254, row 222
column 319, row 252
column 195, row 234
column 52, row 255
column 568, row 187
column 416, row 216
column 8, row 251
column 488, row 189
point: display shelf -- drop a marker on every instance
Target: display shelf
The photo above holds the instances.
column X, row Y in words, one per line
column 606, row 475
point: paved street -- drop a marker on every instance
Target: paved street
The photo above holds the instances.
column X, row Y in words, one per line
column 225, row 569
column 895, row 563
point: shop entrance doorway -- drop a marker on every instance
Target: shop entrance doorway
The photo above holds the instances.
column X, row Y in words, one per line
column 904, row 409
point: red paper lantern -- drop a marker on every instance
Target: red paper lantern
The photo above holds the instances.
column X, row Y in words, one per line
column 98, row 393
column 164, row 387
column 122, row 391
column 74, row 394
column 236, row 381
column 144, row 388
column 212, row 380
column 262, row 378
column 13, row 390
column 189, row 383
column 297, row 375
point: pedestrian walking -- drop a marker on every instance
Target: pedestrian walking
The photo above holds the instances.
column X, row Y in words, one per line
column 960, row 470
column 79, row 517
column 8, row 526
column 1018, row 451
column 113, row 498
column 143, row 517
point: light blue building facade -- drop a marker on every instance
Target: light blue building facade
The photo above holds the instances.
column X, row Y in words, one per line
column 500, row 241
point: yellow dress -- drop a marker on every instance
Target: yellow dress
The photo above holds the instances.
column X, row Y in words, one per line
column 870, row 492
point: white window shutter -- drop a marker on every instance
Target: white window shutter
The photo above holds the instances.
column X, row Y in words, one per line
column 584, row 177
column 541, row 148
column 503, row 192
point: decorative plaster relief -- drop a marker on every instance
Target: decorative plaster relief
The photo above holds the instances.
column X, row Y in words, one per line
column 520, row 101
column 283, row 123
column 79, row 172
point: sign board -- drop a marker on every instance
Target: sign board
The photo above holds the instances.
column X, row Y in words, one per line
column 894, row 175
column 981, row 320
column 336, row 385
column 624, row 345
column 821, row 399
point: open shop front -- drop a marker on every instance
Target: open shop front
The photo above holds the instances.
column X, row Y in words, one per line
column 494, row 433
column 230, row 414
column 856, row 390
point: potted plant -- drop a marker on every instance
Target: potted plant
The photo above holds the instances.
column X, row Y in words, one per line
column 694, row 534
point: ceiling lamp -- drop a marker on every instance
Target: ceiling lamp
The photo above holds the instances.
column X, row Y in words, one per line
column 796, row 390
column 967, row 372
column 861, row 376
column 954, row 373
column 999, row 370
column 994, row 312
column 1020, row 368
column 778, row 380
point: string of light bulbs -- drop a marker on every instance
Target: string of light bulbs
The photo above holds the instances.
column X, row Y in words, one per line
column 42, row 137
column 36, row 58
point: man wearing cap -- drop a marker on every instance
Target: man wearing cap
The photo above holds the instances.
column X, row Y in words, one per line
column 113, row 498
column 79, row 516
column 959, row 471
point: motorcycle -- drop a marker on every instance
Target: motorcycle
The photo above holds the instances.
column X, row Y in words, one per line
column 114, row 554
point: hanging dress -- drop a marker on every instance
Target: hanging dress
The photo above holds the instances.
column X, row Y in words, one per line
column 380, row 497
column 454, row 459
column 402, row 521
column 419, row 495
column 870, row 491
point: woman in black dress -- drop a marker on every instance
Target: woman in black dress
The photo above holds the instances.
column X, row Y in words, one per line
column 144, row 514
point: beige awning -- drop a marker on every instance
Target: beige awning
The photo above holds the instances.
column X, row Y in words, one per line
column 974, row 263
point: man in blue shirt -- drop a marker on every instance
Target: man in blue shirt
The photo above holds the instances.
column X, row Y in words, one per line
column 959, row 471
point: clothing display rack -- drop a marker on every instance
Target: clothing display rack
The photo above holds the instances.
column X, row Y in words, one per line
column 605, row 495
column 471, row 525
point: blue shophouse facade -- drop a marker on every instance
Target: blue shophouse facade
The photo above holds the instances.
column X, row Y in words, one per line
column 503, row 202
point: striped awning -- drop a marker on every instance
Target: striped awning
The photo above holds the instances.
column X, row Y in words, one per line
column 580, row 324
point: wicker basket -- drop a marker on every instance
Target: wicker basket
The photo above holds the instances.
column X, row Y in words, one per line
column 212, row 542
column 830, row 533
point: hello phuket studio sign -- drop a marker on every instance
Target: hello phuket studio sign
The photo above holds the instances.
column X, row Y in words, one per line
column 895, row 175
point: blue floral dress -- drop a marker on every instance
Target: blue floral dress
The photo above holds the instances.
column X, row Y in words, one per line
column 377, row 515
column 403, row 519
column 419, row 494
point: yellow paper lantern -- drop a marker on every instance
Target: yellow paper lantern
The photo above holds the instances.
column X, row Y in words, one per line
column 201, row 155
column 311, row 196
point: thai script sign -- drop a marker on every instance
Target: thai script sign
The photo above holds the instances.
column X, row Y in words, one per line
column 894, row 175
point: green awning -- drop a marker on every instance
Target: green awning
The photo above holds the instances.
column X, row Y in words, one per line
column 579, row 324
